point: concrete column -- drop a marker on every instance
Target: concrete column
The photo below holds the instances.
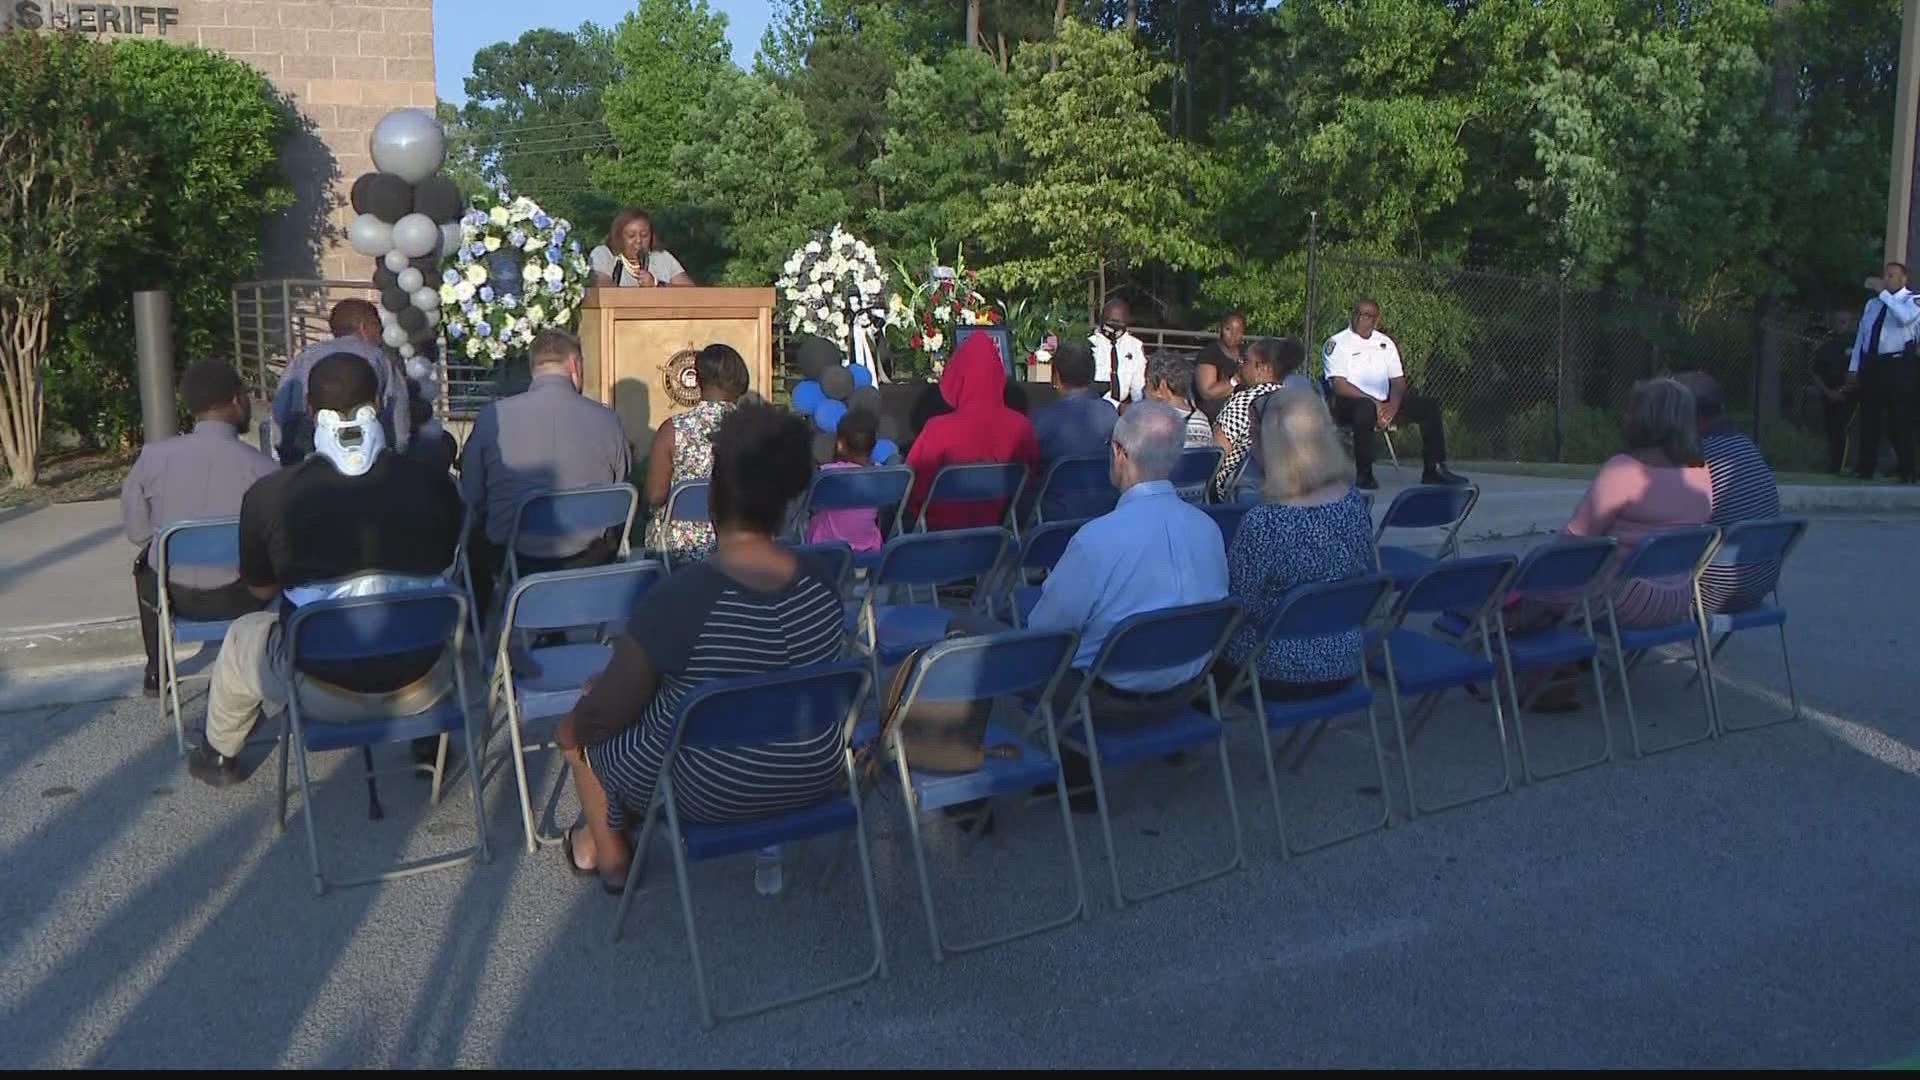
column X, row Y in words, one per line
column 153, row 344
column 1906, row 111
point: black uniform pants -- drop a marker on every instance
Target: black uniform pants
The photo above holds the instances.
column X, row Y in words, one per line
column 229, row 601
column 486, row 559
column 1888, row 384
column 1362, row 414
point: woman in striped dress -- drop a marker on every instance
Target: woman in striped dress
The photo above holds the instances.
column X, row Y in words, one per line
column 752, row 607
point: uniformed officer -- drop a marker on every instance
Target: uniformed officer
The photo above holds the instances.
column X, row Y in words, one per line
column 1370, row 394
column 1884, row 374
column 1119, row 358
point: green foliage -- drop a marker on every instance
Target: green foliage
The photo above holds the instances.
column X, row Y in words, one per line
column 947, row 145
column 669, row 53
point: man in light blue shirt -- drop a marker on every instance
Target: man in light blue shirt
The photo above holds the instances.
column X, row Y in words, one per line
column 1152, row 552
column 355, row 326
column 1883, row 371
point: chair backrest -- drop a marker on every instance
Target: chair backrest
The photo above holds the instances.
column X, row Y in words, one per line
column 1044, row 544
column 1078, row 487
column 1172, row 637
column 1474, row 585
column 1228, row 516
column 1326, row 607
column 941, row 558
column 782, row 706
column 988, row 482
column 1565, row 564
column 1431, row 506
column 991, row 665
column 838, row 555
column 1758, row 543
column 687, row 501
column 369, row 627
column 1194, row 471
column 880, row 488
column 1671, row 553
column 592, row 596
column 210, row 542
column 579, row 510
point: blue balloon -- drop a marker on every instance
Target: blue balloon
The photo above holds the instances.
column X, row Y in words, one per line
column 861, row 376
column 807, row 397
column 884, row 451
column 826, row 416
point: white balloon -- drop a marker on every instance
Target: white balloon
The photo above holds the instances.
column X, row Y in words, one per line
column 433, row 315
column 417, row 235
column 419, row 367
column 398, row 260
column 426, row 298
column 411, row 279
column 450, row 238
column 429, row 389
column 388, row 318
column 410, row 144
column 406, row 353
column 394, row 335
column 370, row 236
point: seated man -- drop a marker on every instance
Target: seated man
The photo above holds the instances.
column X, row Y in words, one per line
column 546, row 439
column 355, row 325
column 1079, row 423
column 354, row 518
column 192, row 477
column 1743, row 490
column 1370, row 394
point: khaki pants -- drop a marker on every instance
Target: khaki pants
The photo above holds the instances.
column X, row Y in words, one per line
column 250, row 677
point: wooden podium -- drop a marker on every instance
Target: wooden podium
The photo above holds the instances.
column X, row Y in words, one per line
column 638, row 346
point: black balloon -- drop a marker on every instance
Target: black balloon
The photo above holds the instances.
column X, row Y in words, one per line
column 429, row 267
column 383, row 278
column 386, row 197
column 865, row 399
column 438, row 197
column 837, row 382
column 889, row 428
column 396, row 300
column 813, row 355
column 412, row 319
column 823, row 442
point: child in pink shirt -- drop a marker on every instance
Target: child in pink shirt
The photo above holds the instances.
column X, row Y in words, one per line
column 854, row 439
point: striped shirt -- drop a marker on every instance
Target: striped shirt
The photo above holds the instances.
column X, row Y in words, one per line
column 701, row 625
column 1743, row 490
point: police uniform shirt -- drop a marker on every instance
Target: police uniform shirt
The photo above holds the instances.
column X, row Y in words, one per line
column 1370, row 364
column 1129, row 382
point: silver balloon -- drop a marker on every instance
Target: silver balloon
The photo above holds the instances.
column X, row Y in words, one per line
column 429, row 389
column 394, row 335
column 433, row 315
column 450, row 238
column 398, row 260
column 406, row 353
column 411, row 279
column 419, row 367
column 410, row 144
column 426, row 298
column 370, row 236
column 417, row 235
column 387, row 318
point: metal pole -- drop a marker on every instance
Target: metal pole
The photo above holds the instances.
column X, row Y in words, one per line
column 153, row 343
column 1906, row 110
column 1560, row 371
column 1313, row 284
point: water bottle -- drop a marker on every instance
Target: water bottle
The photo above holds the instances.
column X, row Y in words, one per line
column 767, row 880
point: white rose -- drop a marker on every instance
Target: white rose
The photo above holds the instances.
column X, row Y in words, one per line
column 474, row 345
column 492, row 243
column 934, row 342
column 477, row 274
column 537, row 313
column 554, row 275
column 791, row 293
column 529, row 271
column 498, row 215
column 463, row 292
column 533, row 243
column 447, row 295
column 563, row 316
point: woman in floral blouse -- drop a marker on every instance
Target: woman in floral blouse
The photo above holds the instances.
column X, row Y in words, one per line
column 683, row 450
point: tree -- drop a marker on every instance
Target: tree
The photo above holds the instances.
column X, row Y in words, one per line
column 1103, row 189
column 945, row 146
column 670, row 54
column 750, row 167
column 70, row 187
column 534, row 111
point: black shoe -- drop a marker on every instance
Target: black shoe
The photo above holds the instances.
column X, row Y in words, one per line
column 212, row 768
column 1365, row 481
column 1440, row 474
column 150, row 686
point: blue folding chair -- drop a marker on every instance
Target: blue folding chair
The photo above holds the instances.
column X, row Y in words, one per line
column 1325, row 386
column 887, row 632
column 1423, row 506
column 1754, row 544
column 1661, row 556
column 686, row 501
column 549, row 678
column 363, row 628
column 1151, row 642
column 882, row 490
column 986, row 668
column 1417, row 663
column 1567, row 570
column 565, row 513
column 1228, row 516
column 743, row 713
column 1194, row 471
column 1040, row 549
column 1075, row 487
column 839, row 557
column 1001, row 483
column 212, row 543
column 1315, row 611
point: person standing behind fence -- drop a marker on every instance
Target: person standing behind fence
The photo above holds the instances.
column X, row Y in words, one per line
column 1369, row 390
column 1883, row 374
column 1837, row 404
column 355, row 326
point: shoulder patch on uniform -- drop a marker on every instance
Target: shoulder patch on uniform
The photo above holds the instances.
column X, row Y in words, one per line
column 1327, row 349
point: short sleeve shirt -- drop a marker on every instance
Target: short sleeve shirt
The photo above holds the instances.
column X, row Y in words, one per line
column 1368, row 363
column 661, row 264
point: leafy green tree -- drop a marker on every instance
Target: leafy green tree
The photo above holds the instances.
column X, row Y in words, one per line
column 946, row 145
column 534, row 111
column 670, row 53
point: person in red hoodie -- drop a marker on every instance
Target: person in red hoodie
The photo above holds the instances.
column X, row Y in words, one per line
column 981, row 428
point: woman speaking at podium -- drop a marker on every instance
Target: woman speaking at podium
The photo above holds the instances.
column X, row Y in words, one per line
column 629, row 257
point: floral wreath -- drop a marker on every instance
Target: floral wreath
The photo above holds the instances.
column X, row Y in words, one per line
column 516, row 272
column 922, row 321
column 832, row 276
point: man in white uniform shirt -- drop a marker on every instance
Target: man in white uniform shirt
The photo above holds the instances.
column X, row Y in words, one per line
column 1882, row 370
column 1370, row 394
column 1126, row 376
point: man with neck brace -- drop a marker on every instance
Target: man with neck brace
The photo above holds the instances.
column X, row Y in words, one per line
column 353, row 519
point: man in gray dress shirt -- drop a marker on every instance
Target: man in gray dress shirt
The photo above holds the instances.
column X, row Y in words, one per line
column 355, row 325
column 549, row 438
column 187, row 478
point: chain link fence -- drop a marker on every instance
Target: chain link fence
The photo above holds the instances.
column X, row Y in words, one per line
column 1532, row 369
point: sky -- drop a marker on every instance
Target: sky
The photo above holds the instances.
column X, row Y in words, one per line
column 464, row 27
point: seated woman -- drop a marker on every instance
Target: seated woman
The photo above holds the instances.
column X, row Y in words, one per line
column 1168, row 376
column 980, row 429
column 754, row 607
column 1313, row 526
column 683, row 450
column 1267, row 361
column 628, row 258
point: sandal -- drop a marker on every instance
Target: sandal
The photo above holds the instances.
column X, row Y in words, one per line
column 566, row 846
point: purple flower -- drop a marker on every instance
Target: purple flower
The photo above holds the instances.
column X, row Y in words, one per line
column 556, row 288
column 517, row 237
column 486, row 294
column 541, row 220
column 509, row 302
column 477, row 248
column 451, row 277
column 482, row 329
column 456, row 328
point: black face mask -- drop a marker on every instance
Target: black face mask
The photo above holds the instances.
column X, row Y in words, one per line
column 1113, row 330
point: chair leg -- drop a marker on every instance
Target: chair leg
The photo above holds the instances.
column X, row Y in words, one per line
column 440, row 771
column 1793, row 696
column 866, row 877
column 286, row 738
column 637, row 865
column 686, row 912
column 520, row 773
column 912, row 809
column 306, row 814
column 170, row 683
column 1100, row 804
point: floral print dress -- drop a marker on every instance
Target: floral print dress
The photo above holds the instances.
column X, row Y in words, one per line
column 693, row 432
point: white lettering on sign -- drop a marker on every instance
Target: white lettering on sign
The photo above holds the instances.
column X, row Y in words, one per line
column 88, row 18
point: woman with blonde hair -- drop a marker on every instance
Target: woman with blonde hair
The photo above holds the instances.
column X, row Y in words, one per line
column 1311, row 526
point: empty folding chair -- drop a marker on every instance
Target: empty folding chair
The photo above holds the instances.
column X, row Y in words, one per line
column 541, row 684
column 1663, row 556
column 986, row 668
column 213, row 543
column 686, row 501
column 1075, row 487
column 741, row 714
column 1418, row 663
column 1755, row 545
column 1040, row 549
column 1423, row 506
column 1194, row 471
column 839, row 557
column 364, row 628
column 1570, row 571
column 882, row 490
column 1228, row 516
column 978, row 483
column 1155, row 641
column 888, row 631
column 1316, row 611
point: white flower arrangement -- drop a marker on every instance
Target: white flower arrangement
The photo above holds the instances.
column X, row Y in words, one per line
column 486, row 327
column 832, row 277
